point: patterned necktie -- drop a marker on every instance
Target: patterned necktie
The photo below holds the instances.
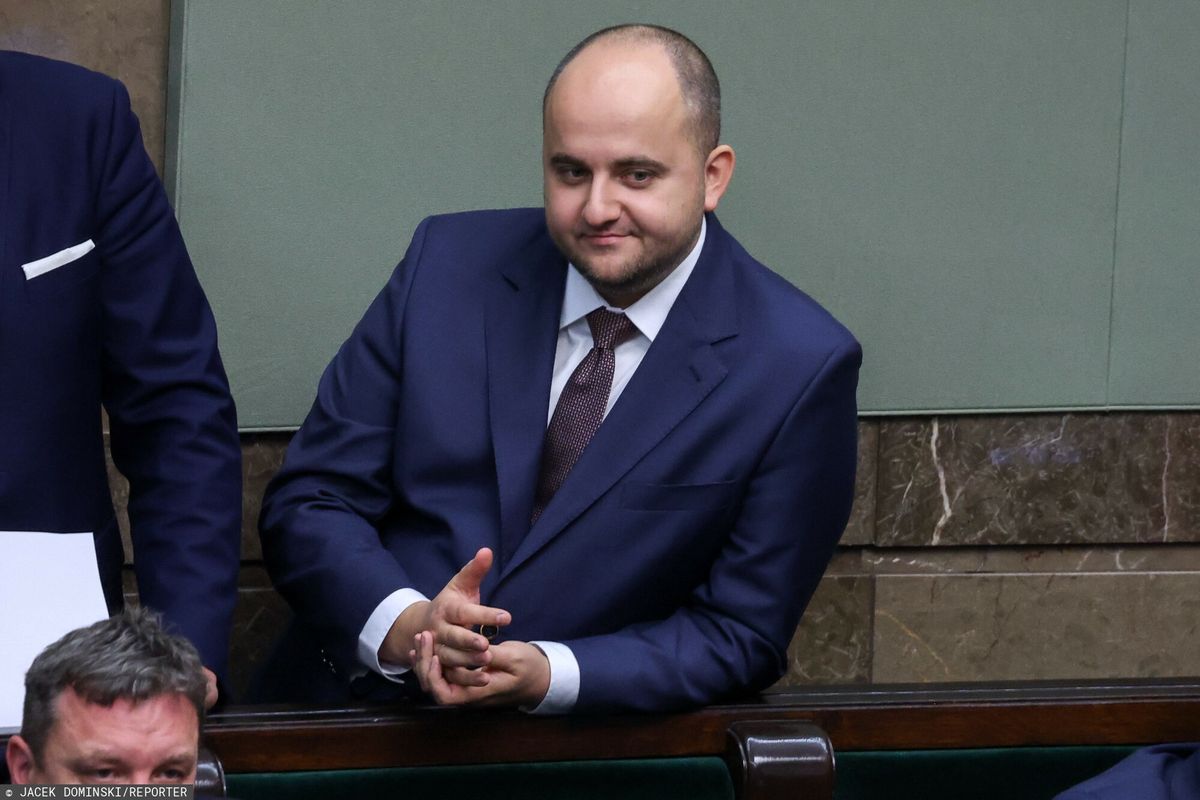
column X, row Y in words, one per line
column 581, row 405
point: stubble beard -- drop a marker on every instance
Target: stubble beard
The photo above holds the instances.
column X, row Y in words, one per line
column 635, row 278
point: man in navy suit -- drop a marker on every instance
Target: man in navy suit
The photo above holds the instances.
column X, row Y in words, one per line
column 99, row 305
column 659, row 559
column 1163, row 772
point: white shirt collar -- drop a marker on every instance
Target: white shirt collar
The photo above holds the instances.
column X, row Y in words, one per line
column 649, row 312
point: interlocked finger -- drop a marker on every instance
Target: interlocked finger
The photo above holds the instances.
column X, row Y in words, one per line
column 452, row 656
column 460, row 638
column 465, row 677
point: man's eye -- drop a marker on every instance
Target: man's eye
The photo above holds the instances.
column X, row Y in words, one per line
column 640, row 176
column 572, row 174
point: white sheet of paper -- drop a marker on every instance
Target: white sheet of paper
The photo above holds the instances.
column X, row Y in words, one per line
column 50, row 584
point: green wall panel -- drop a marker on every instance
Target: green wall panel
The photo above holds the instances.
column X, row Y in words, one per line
column 1156, row 313
column 941, row 174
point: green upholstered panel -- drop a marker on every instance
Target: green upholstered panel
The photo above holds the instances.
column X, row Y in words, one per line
column 1028, row 773
column 1156, row 324
column 648, row 779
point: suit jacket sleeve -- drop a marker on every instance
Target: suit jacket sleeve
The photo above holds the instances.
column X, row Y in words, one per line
column 172, row 420
column 735, row 630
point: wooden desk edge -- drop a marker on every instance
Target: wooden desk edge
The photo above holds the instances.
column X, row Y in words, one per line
column 855, row 718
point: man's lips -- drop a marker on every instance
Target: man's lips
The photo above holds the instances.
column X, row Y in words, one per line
column 603, row 239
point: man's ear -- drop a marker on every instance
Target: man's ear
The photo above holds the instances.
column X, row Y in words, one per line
column 21, row 765
column 718, row 171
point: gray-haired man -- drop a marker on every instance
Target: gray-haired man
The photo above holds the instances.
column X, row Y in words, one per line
column 120, row 701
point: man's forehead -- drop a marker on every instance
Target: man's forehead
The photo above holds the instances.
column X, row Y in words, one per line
column 621, row 102
column 157, row 710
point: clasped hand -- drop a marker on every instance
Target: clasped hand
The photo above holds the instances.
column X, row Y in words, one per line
column 454, row 663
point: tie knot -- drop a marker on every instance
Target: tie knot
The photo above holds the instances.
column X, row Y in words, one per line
column 609, row 329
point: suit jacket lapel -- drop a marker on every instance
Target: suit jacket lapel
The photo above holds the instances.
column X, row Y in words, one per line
column 521, row 332
column 678, row 372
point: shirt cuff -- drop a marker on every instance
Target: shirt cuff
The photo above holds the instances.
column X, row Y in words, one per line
column 377, row 627
column 564, row 679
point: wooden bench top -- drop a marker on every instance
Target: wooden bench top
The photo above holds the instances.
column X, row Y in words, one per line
column 855, row 718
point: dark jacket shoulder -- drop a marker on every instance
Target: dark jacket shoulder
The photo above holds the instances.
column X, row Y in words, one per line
column 37, row 81
column 468, row 245
column 499, row 229
column 786, row 326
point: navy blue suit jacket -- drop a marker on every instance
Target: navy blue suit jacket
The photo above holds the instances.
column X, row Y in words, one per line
column 1163, row 772
column 126, row 326
column 678, row 554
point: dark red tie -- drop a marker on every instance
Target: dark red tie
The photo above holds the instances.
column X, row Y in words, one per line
column 581, row 405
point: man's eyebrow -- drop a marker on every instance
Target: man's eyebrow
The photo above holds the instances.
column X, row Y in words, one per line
column 185, row 759
column 641, row 162
column 93, row 760
column 628, row 163
column 564, row 160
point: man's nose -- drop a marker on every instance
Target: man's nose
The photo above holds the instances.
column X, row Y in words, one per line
column 601, row 207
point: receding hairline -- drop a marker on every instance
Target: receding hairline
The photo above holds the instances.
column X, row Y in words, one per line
column 85, row 699
column 694, row 73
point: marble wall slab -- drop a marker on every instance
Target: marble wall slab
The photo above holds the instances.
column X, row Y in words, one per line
column 1129, row 559
column 1039, row 479
column 259, row 619
column 262, row 456
column 118, row 487
column 1181, row 476
column 833, row 642
column 1027, row 627
column 126, row 39
column 861, row 527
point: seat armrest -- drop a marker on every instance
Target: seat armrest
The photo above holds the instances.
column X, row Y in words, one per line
column 770, row 760
column 210, row 774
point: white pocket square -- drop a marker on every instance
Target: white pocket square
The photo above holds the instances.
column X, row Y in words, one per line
column 56, row 260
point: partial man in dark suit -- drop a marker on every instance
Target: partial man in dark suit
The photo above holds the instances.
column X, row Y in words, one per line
column 100, row 306
column 638, row 440
column 1162, row 772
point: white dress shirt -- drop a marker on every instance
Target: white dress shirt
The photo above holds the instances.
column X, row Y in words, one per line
column 574, row 342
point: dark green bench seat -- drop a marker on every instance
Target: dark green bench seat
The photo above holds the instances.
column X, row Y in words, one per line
column 993, row 773
column 629, row 779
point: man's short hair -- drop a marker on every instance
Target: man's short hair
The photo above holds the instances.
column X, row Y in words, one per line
column 697, row 79
column 128, row 656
